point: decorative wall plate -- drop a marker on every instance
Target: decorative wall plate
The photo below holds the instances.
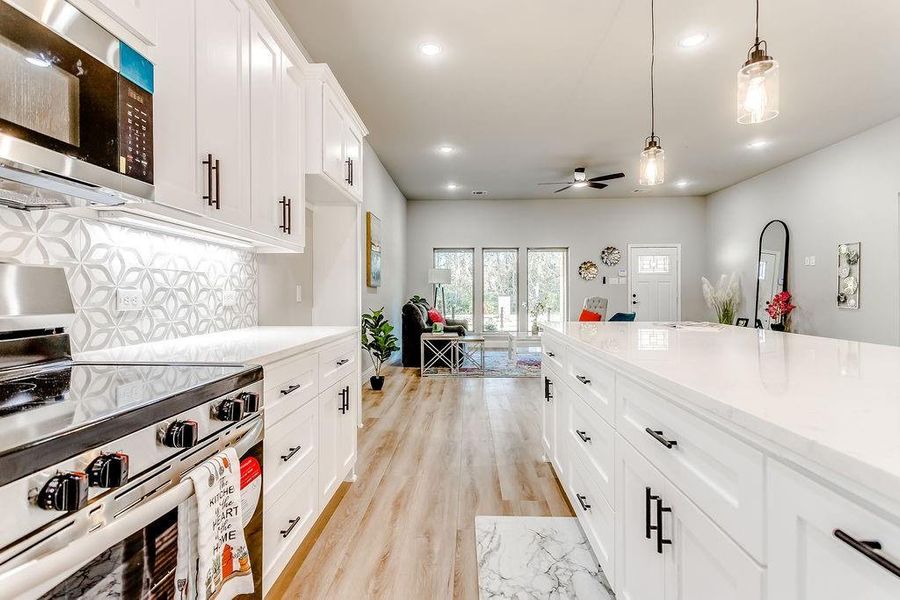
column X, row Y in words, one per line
column 588, row 270
column 848, row 272
column 610, row 256
column 849, row 286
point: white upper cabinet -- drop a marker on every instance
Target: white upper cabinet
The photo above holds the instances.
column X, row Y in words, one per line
column 137, row 16
column 291, row 170
column 334, row 142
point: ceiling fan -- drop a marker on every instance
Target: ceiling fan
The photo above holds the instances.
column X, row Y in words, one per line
column 579, row 180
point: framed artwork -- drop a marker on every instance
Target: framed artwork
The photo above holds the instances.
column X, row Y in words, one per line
column 743, row 321
column 848, row 276
column 373, row 250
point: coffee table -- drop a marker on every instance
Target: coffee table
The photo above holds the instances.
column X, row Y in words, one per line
column 517, row 338
column 455, row 353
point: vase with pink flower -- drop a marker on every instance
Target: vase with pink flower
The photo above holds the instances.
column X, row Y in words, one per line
column 779, row 309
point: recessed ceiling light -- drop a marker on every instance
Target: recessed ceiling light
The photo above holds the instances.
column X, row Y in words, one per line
column 446, row 149
column 757, row 144
column 695, row 39
column 430, row 48
column 452, row 186
column 682, row 183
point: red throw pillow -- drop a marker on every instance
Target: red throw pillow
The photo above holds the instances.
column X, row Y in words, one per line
column 435, row 317
column 589, row 315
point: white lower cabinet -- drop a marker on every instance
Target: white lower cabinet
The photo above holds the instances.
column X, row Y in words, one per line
column 597, row 518
column 337, row 434
column 548, row 425
column 286, row 521
column 822, row 545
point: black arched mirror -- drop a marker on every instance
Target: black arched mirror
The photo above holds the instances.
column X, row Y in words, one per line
column 771, row 267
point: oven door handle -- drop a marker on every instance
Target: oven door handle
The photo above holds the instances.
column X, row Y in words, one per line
column 40, row 575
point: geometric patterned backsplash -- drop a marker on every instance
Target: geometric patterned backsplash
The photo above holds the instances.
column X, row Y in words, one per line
column 181, row 280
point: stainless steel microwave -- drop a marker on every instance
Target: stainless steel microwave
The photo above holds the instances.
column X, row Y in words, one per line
column 76, row 110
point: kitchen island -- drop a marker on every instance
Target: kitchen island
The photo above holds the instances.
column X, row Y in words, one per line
column 709, row 461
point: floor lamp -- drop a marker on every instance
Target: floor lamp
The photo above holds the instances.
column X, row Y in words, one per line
column 439, row 278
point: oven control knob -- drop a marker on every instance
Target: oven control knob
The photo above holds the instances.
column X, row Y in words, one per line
column 64, row 492
column 181, row 434
column 230, row 410
column 108, row 470
column 251, row 401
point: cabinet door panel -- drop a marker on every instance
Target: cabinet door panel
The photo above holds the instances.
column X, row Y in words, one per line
column 702, row 562
column 806, row 560
column 291, row 150
column 333, row 138
column 560, row 419
column 265, row 79
column 222, row 31
column 329, row 403
column 548, row 427
column 640, row 569
column 138, row 16
column 347, row 427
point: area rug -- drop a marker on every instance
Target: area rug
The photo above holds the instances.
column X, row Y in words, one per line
column 498, row 364
column 536, row 557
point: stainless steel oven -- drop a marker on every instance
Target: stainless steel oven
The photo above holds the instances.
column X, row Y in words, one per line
column 76, row 109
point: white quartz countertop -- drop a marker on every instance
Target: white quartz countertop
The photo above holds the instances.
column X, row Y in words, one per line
column 251, row 345
column 834, row 402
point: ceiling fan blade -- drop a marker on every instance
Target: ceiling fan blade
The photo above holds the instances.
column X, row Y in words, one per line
column 607, row 177
column 556, row 183
column 562, row 189
column 597, row 186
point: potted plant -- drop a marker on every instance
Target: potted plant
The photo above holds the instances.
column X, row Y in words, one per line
column 377, row 338
column 779, row 309
column 724, row 298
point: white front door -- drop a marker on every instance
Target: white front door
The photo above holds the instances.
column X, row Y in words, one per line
column 654, row 277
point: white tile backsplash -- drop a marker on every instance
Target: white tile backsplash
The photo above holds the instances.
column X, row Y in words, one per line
column 181, row 280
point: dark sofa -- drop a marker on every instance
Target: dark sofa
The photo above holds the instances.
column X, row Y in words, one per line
column 415, row 323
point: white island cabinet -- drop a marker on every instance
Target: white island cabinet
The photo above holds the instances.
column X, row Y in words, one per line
column 721, row 462
column 310, row 407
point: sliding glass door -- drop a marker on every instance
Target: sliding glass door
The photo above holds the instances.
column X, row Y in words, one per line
column 500, row 285
column 547, row 285
column 460, row 293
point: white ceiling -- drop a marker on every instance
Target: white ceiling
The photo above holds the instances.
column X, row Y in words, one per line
column 529, row 90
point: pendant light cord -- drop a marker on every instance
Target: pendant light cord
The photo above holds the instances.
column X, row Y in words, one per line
column 652, row 65
column 757, row 23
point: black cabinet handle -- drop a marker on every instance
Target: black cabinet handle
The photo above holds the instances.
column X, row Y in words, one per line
column 658, row 436
column 581, row 501
column 351, row 172
column 649, row 498
column 583, row 379
column 343, row 362
column 660, row 540
column 550, row 354
column 290, row 218
column 291, row 453
column 211, row 166
column 218, row 189
column 349, row 179
column 283, row 202
column 548, row 395
column 291, row 524
column 290, row 389
column 584, row 436
column 345, row 400
column 868, row 549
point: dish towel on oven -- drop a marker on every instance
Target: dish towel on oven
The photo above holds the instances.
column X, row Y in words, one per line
column 213, row 560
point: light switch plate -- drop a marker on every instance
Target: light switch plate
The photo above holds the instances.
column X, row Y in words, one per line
column 129, row 299
column 812, row 261
column 229, row 298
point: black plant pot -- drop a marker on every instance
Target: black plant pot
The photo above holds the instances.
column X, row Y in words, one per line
column 377, row 382
column 777, row 326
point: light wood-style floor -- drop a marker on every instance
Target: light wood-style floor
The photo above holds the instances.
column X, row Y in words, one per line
column 433, row 454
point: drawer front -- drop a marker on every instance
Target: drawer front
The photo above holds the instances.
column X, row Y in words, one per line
column 336, row 362
column 289, row 385
column 286, row 523
column 719, row 473
column 291, row 446
column 807, row 558
column 553, row 352
column 594, row 382
column 593, row 440
column 595, row 515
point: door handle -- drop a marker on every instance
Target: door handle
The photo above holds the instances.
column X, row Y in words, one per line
column 291, row 524
column 583, row 379
column 290, row 218
column 351, row 172
column 584, row 436
column 548, row 395
column 283, row 202
column 660, row 540
column 581, row 500
column 349, row 179
column 658, row 436
column 211, row 166
column 648, row 500
column 343, row 362
column 868, row 549
column 550, row 354
column 291, row 453
column 218, row 189
column 290, row 389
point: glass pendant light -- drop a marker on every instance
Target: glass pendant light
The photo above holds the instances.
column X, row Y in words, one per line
column 653, row 158
column 757, row 83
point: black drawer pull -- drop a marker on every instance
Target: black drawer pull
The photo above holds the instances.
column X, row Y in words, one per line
column 343, row 362
column 291, row 524
column 550, row 354
column 660, row 541
column 581, row 501
column 291, row 453
column 290, row 389
column 658, row 436
column 583, row 379
column 868, row 549
column 584, row 436
column 548, row 395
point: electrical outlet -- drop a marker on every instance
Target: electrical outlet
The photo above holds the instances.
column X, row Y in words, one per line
column 129, row 299
column 805, row 261
column 229, row 298
column 299, row 293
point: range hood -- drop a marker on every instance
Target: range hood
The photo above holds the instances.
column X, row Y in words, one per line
column 26, row 188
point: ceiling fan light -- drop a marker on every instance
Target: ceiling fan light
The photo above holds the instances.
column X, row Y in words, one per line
column 579, row 184
column 653, row 164
column 757, row 89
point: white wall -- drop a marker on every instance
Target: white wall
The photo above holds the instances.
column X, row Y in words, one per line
column 382, row 197
column 583, row 226
column 847, row 192
column 279, row 275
